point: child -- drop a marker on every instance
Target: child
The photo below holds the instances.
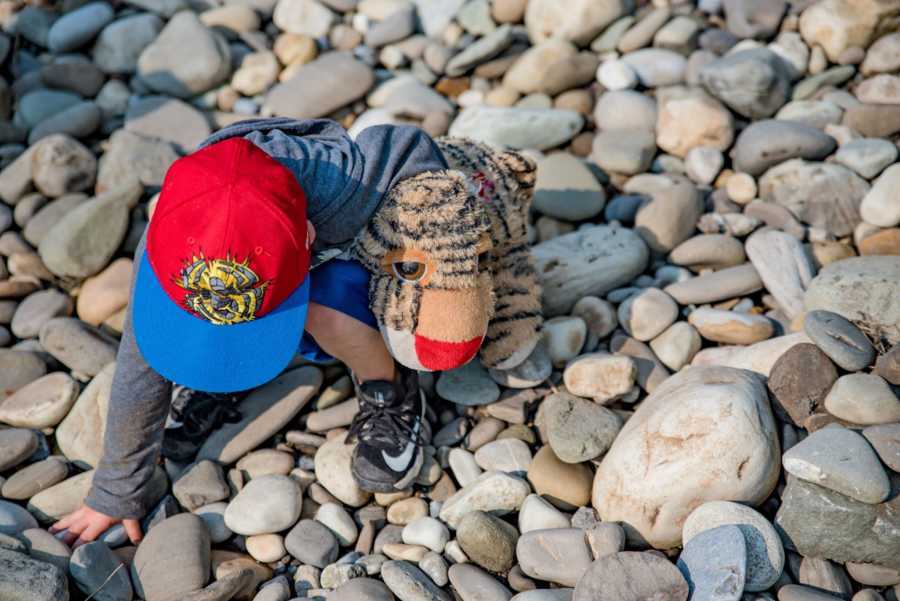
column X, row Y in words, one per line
column 239, row 268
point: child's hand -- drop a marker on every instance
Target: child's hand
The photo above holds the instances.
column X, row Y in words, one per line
column 85, row 524
column 310, row 233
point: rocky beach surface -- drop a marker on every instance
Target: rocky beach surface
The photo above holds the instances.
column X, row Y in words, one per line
column 713, row 413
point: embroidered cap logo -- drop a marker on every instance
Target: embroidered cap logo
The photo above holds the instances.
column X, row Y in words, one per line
column 222, row 291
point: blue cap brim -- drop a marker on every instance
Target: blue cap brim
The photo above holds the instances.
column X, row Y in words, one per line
column 195, row 353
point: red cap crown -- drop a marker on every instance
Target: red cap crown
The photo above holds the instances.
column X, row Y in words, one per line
column 228, row 238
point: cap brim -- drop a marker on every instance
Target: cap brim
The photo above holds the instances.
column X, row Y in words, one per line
column 195, row 353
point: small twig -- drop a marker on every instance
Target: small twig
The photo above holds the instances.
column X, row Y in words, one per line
column 111, row 574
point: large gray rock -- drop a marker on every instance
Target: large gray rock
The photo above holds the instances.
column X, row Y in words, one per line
column 77, row 345
column 162, row 65
column 471, row 582
column 764, row 144
column 819, row 522
column 321, row 87
column 267, row 504
column 631, row 576
column 862, row 289
column 18, row 368
column 99, row 573
column 131, row 157
column 409, row 583
column 824, row 195
column 783, row 265
column 120, row 44
column 82, row 243
column 80, row 435
column 172, row 560
column 62, row 165
column 559, row 555
column 714, row 563
column 201, row 484
column 838, row 338
column 579, row 430
column 518, row 128
column 591, row 261
column 14, row 519
column 168, row 119
column 312, row 543
column 16, row 446
column 755, row 83
column 24, row 579
column 77, row 27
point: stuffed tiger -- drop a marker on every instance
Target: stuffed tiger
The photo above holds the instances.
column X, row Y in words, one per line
column 452, row 276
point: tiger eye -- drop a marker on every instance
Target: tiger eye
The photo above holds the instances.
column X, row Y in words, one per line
column 411, row 271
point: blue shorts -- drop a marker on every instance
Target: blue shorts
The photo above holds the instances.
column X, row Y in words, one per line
column 343, row 286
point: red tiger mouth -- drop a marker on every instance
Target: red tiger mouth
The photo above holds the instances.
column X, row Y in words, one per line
column 438, row 355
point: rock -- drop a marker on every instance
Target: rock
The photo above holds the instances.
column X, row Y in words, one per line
column 320, row 87
column 468, row 385
column 480, row 51
column 566, row 485
column 624, row 151
column 836, row 25
column 267, row 504
column 31, row 480
column 671, row 215
column 566, row 189
column 16, row 446
column 578, row 21
column 79, row 26
column 881, row 56
column 838, row 338
column 708, row 251
column 873, row 120
column 106, row 293
column 614, row 74
column 25, row 579
column 536, row 368
column 200, row 484
column 625, row 109
column 119, row 45
column 703, row 164
column 558, row 555
column 579, row 430
column 306, row 17
column 40, row 105
column 409, row 583
column 80, row 435
column 545, row 594
column 657, row 67
column 564, row 338
column 765, row 144
column 488, row 541
column 213, row 515
column 885, row 439
column 824, row 195
column 79, row 120
column 80, row 347
column 588, row 262
column 879, row 206
column 43, row 546
column 333, row 472
column 266, row 548
column 426, row 532
column 631, row 576
column 868, row 157
column 464, row 466
column 754, row 83
column 538, row 514
column 130, row 156
column 841, row 460
column 528, row 72
column 693, row 448
column 265, row 411
column 362, row 589
column 312, row 543
column 37, row 309
column 258, row 71
column 493, row 492
column 172, row 560
column 857, row 532
column 783, row 266
column 82, row 243
column 62, row 165
column 507, row 455
column 517, row 128
column 646, row 314
column 688, row 118
column 336, row 519
column 600, row 376
column 99, row 572
column 163, row 69
column 18, row 368
column 860, row 289
column 863, row 399
column 799, row 381
column 765, row 555
column 14, row 519
column 714, row 563
column 62, row 499
column 474, row 584
column 730, row 327
column 168, row 119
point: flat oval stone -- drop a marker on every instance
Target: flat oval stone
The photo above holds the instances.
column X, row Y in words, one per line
column 31, row 480
column 731, row 327
column 631, row 576
column 862, row 398
column 410, row 583
column 468, row 385
column 488, row 541
column 558, row 555
column 16, row 445
column 173, row 559
column 714, row 563
column 15, row 519
column 838, row 338
column 42, row 403
column 766, row 143
column 472, row 583
column 719, row 285
column 267, row 504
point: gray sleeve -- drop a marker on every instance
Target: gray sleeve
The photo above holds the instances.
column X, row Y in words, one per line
column 138, row 406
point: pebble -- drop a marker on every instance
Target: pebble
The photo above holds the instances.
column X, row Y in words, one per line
column 167, row 119
column 783, row 266
column 730, row 327
column 61, row 165
column 566, row 485
column 677, row 345
column 566, row 189
column 508, row 455
column 564, row 338
column 765, row 554
column 671, row 215
column 99, row 572
column 341, row 524
column 616, row 75
column 538, row 514
column 213, row 515
column 42, row 403
column 474, row 584
column 409, row 583
column 725, row 283
column 80, row 434
column 312, row 543
column 558, row 555
column 14, row 519
column 579, row 430
column 534, row 370
column 884, row 439
column 625, row 110
column 493, row 492
column 539, row 128
column 714, row 563
column 626, row 151
column 740, row 400
column 172, row 560
column 879, row 206
column 362, row 589
column 754, row 83
column 708, row 251
column 200, row 484
column 689, row 118
column 16, row 446
column 266, row 504
column 631, row 576
column 468, row 385
column 79, row 26
column 34, row 478
column 266, row 548
column 765, row 144
column 487, row 541
column 578, row 21
column 647, row 314
column 863, row 399
column 600, row 376
column 838, row 338
column 25, row 579
column 426, row 532
column 45, row 547
column 435, row 568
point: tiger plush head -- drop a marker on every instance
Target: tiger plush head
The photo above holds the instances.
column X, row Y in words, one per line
column 451, row 271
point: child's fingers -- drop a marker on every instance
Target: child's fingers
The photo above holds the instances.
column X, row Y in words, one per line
column 73, row 532
column 62, row 524
column 90, row 534
column 133, row 530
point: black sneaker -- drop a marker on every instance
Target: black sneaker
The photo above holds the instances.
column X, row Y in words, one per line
column 199, row 413
column 390, row 430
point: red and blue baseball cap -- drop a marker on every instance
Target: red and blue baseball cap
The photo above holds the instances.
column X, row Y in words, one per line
column 222, row 289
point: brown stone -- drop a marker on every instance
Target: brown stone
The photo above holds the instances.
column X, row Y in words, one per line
column 631, row 576
column 566, row 485
column 799, row 381
column 884, row 242
column 452, row 87
column 873, row 120
column 888, row 365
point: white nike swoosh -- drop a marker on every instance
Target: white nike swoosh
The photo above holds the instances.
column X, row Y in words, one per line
column 401, row 461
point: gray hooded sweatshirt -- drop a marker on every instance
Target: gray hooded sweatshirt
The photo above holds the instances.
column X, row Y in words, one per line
column 344, row 182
